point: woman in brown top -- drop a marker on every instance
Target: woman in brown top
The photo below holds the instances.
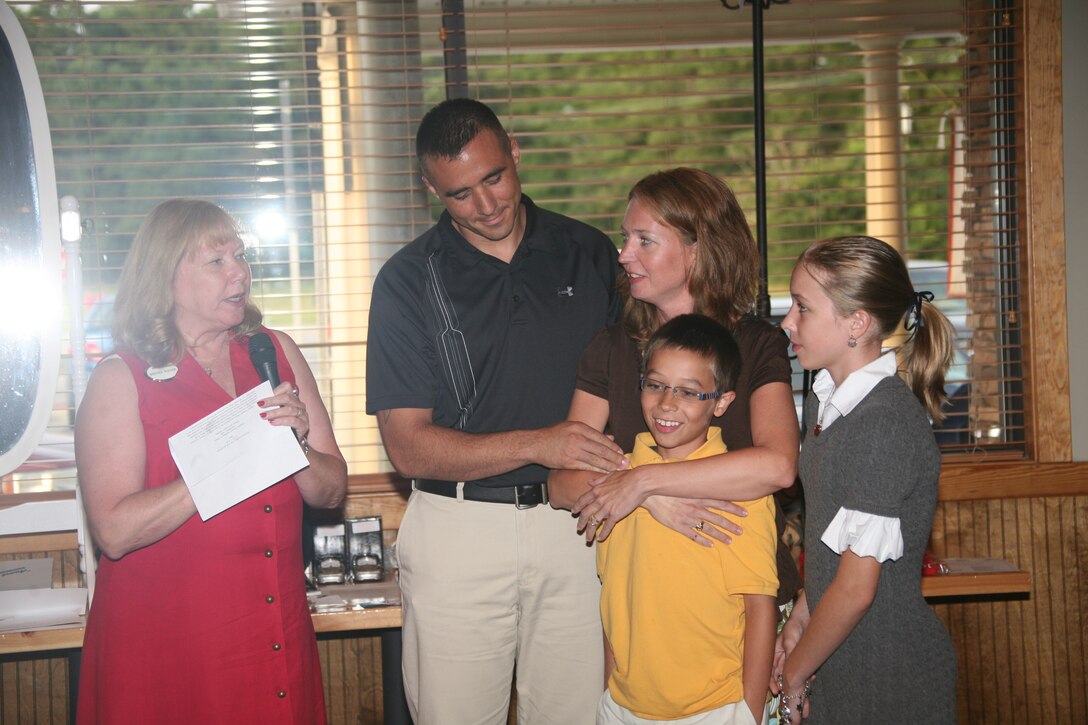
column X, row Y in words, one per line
column 687, row 248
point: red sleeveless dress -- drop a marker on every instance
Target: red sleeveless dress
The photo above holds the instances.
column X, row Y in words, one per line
column 209, row 624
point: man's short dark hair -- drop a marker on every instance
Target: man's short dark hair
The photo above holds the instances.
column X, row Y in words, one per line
column 448, row 127
column 703, row 336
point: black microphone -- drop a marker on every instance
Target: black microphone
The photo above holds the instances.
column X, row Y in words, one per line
column 263, row 354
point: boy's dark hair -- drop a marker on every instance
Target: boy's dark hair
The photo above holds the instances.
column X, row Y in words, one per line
column 452, row 124
column 703, row 336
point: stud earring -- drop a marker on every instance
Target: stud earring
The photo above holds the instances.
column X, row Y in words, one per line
column 852, row 342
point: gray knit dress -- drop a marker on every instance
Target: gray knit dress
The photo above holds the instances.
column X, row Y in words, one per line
column 898, row 665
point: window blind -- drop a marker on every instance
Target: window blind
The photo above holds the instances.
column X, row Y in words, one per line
column 897, row 120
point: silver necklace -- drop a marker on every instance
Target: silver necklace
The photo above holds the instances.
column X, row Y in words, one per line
column 207, row 368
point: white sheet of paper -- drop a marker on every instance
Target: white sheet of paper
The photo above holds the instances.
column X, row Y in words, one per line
column 41, row 608
column 37, row 516
column 233, row 453
column 26, row 574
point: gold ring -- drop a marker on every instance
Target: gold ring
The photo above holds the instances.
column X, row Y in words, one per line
column 593, row 523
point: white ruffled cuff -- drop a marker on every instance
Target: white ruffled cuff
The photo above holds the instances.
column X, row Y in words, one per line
column 865, row 534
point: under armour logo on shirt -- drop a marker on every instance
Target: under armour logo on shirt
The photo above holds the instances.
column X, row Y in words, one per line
column 568, row 291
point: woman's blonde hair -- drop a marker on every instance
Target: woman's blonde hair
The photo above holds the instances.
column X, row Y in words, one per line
column 704, row 212
column 143, row 311
column 863, row 273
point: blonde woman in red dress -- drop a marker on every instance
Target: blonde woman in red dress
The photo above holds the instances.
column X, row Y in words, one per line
column 195, row 621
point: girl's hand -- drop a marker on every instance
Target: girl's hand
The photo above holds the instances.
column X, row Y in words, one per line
column 784, row 645
column 694, row 519
column 286, row 408
column 795, row 697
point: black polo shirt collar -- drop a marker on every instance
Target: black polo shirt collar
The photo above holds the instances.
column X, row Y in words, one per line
column 469, row 256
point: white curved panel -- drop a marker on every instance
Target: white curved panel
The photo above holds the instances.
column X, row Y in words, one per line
column 30, row 252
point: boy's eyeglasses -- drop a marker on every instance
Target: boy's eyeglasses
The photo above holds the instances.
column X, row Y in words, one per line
column 650, row 385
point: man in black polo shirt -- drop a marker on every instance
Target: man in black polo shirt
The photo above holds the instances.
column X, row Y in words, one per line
column 475, row 332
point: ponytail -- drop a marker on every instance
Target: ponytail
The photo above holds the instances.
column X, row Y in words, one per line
column 927, row 354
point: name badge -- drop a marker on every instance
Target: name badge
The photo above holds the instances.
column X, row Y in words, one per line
column 167, row 372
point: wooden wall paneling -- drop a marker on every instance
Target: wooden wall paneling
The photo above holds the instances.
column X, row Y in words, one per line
column 56, row 672
column 1076, row 571
column 333, row 678
column 29, row 693
column 1060, row 627
column 980, row 618
column 1009, row 653
column 34, row 690
column 1017, row 647
column 1043, row 599
column 970, row 660
column 1057, row 644
column 1031, row 674
column 9, row 693
column 352, row 670
column 1021, row 659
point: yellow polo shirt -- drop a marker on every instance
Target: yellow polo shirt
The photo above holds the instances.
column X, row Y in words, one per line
column 673, row 610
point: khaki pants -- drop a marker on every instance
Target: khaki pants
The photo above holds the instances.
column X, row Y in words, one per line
column 487, row 587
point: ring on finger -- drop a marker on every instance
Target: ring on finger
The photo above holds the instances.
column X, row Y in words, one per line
column 698, row 526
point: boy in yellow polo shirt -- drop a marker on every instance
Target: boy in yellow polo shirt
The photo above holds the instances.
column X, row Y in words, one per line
column 689, row 629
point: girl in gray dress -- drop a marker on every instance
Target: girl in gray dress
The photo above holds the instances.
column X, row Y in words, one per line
column 869, row 465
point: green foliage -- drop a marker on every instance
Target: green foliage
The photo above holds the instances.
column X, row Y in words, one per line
column 148, row 101
column 152, row 100
column 590, row 124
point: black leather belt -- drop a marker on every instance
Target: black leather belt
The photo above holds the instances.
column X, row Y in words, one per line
column 524, row 496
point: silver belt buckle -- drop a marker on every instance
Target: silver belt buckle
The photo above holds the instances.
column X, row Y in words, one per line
column 543, row 497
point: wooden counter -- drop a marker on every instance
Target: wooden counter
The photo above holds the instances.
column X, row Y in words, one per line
column 968, row 578
column 358, row 619
column 973, row 577
column 43, row 640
